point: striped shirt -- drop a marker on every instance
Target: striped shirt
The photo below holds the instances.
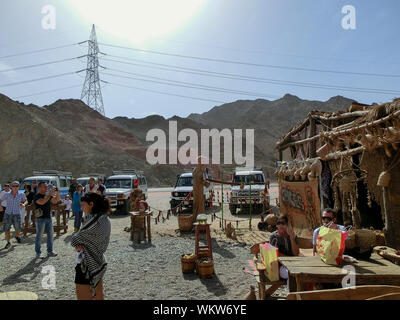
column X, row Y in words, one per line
column 13, row 203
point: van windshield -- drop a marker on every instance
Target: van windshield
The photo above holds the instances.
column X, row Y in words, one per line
column 82, row 182
column 118, row 183
column 184, row 182
column 29, row 181
column 258, row 178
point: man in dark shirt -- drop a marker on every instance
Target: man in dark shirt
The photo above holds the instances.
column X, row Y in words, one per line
column 43, row 200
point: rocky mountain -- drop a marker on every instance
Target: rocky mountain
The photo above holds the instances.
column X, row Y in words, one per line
column 68, row 135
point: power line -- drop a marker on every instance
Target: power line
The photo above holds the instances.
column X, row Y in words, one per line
column 41, row 64
column 40, row 50
column 188, row 85
column 45, row 92
column 248, row 78
column 40, row 79
column 165, row 93
column 252, row 64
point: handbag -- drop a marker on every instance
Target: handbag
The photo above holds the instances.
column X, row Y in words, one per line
column 330, row 245
column 38, row 212
column 269, row 256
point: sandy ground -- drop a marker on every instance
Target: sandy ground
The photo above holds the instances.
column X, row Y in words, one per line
column 141, row 271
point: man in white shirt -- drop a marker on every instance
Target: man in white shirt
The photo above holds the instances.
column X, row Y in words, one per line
column 3, row 202
column 329, row 221
column 91, row 187
column 68, row 203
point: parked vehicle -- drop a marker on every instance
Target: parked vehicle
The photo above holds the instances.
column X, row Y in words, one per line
column 58, row 179
column 184, row 186
column 119, row 186
column 241, row 197
column 84, row 178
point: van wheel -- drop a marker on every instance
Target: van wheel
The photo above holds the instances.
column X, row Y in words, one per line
column 233, row 209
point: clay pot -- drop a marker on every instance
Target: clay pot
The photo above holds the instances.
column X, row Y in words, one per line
column 384, row 179
column 271, row 219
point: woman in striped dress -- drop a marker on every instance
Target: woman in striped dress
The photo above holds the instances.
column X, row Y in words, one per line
column 91, row 242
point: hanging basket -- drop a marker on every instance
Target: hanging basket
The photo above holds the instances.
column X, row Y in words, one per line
column 365, row 238
column 185, row 222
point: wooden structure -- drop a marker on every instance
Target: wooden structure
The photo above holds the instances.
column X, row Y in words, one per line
column 203, row 251
column 303, row 270
column 373, row 292
column 58, row 226
column 141, row 225
column 354, row 155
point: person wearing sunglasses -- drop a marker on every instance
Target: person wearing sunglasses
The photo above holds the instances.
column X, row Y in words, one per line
column 329, row 221
column 15, row 201
column 286, row 241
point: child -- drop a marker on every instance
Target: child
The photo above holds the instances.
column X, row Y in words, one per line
column 68, row 204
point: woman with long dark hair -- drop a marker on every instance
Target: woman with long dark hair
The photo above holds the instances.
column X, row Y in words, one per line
column 91, row 242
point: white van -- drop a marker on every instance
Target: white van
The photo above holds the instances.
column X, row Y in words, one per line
column 59, row 179
column 119, row 187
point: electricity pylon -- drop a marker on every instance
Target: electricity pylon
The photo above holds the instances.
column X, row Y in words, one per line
column 91, row 91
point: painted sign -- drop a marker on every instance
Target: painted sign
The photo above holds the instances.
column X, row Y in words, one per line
column 300, row 201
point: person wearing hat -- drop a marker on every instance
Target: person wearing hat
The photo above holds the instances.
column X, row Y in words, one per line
column 3, row 203
column 15, row 202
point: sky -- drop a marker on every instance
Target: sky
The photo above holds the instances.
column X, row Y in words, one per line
column 271, row 39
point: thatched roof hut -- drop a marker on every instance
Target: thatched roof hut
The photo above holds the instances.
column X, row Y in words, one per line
column 359, row 158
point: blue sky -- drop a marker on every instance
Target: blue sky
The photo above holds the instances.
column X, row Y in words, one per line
column 302, row 34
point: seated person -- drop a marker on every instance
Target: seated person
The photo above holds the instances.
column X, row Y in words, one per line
column 286, row 242
column 329, row 221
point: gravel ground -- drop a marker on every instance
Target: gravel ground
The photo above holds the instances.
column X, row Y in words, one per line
column 135, row 271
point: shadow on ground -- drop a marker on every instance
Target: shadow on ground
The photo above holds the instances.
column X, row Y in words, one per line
column 31, row 268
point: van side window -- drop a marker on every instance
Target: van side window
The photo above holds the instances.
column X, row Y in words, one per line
column 63, row 183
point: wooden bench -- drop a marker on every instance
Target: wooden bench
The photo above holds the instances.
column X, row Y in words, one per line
column 58, row 227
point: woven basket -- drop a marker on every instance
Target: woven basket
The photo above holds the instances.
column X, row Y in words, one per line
column 365, row 238
column 351, row 243
column 185, row 222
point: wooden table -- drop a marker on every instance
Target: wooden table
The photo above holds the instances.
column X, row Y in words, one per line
column 135, row 220
column 375, row 271
column 58, row 227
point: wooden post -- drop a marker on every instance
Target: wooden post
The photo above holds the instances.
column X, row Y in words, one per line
column 313, row 144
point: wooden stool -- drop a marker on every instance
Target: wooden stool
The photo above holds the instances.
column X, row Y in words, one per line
column 203, row 251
